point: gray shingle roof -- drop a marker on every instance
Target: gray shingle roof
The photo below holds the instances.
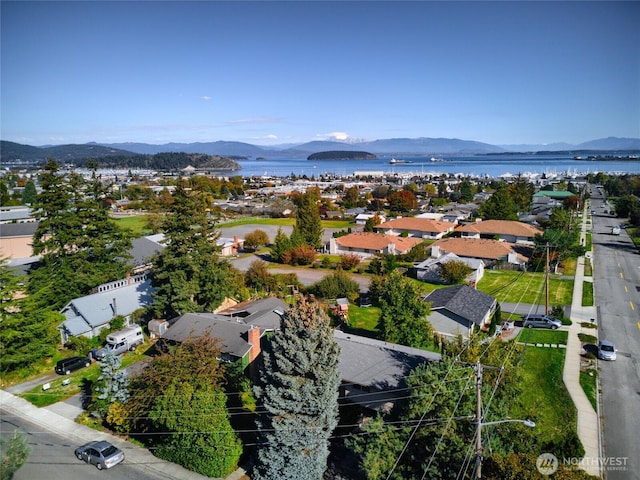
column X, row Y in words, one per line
column 98, row 309
column 375, row 364
column 232, row 333
column 463, row 301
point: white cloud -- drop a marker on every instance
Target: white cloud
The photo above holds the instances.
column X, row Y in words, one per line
column 206, row 98
column 340, row 136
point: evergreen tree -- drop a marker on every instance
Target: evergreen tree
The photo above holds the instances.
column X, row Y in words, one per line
column 26, row 334
column 281, row 244
column 522, row 191
column 112, row 384
column 80, row 245
column 500, row 206
column 308, row 228
column 299, row 392
column 466, row 190
column 189, row 275
column 29, row 194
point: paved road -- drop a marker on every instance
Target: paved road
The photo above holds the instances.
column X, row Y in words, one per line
column 52, row 456
column 617, row 296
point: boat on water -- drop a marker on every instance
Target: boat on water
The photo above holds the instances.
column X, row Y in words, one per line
column 395, row 161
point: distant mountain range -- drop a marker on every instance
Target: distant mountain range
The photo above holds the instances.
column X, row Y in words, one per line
column 423, row 146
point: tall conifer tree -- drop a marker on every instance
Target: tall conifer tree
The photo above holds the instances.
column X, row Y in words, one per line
column 189, row 275
column 299, row 393
column 308, row 227
column 80, row 245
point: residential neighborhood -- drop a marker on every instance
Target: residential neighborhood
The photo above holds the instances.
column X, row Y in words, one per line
column 441, row 284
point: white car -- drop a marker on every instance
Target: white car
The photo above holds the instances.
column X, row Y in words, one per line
column 606, row 350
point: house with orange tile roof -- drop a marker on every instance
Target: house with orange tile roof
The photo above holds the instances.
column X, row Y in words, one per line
column 505, row 230
column 491, row 252
column 416, row 227
column 369, row 244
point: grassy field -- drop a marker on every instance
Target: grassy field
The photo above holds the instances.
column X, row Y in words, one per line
column 531, row 335
column 508, row 286
column 544, row 397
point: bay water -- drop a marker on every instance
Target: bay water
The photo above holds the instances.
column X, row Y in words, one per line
column 487, row 166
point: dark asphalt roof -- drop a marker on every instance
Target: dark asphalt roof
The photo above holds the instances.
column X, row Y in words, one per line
column 463, row 301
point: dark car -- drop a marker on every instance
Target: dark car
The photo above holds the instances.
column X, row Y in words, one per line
column 71, row 364
column 100, row 453
column 537, row 320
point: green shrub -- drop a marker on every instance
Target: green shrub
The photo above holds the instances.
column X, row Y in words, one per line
column 586, row 338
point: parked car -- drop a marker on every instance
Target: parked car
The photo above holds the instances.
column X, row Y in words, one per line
column 71, row 364
column 538, row 320
column 606, row 350
column 100, row 453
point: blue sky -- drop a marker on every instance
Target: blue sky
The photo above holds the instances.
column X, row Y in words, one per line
column 289, row 72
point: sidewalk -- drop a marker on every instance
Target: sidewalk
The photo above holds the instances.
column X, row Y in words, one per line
column 588, row 422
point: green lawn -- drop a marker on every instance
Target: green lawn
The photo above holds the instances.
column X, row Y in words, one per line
column 587, row 294
column 508, row 286
column 283, row 222
column 59, row 392
column 363, row 321
column 544, row 397
column 531, row 335
column 589, row 383
column 137, row 224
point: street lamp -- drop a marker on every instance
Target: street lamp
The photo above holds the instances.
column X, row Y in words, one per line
column 480, row 424
column 527, row 423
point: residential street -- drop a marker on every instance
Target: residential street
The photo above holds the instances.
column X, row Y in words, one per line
column 617, row 296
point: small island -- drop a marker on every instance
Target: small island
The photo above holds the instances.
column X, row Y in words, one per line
column 342, row 155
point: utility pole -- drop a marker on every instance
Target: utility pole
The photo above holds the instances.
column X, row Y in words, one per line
column 546, row 284
column 479, row 451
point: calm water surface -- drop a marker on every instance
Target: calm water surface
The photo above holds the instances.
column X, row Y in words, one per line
column 481, row 166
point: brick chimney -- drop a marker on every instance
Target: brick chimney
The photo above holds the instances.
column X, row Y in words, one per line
column 253, row 338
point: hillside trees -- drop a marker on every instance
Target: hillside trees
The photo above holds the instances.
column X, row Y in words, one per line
column 189, row 275
column 298, row 391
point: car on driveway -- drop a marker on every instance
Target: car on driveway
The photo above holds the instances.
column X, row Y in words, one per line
column 606, row 350
column 68, row 365
column 100, row 453
column 538, row 320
